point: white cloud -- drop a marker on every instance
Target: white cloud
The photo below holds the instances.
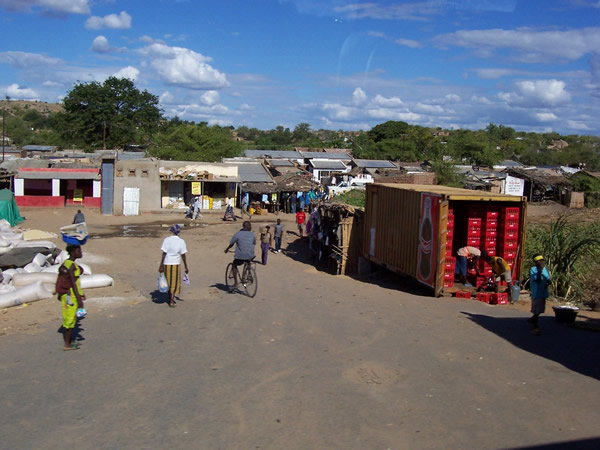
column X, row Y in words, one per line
column 388, row 114
column 23, row 60
column 246, row 107
column 166, row 98
column 101, row 45
column 183, row 67
column 359, row 97
column 579, row 126
column 550, row 92
column 428, row 109
column 128, row 72
column 339, row 112
column 530, row 45
column 14, row 91
column 61, row 6
column 122, row 21
column 393, row 102
column 408, row 43
column 210, row 98
column 546, row 117
column 453, row 98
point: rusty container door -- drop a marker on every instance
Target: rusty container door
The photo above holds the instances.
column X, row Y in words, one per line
column 441, row 248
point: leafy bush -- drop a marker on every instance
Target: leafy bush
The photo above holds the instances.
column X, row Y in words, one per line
column 570, row 251
column 355, row 197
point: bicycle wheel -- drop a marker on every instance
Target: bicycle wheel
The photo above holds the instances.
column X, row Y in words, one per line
column 250, row 281
column 229, row 278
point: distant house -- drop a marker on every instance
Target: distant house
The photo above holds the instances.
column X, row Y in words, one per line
column 558, row 144
column 43, row 184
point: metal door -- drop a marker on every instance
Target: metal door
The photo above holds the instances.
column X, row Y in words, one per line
column 108, row 184
column 131, row 201
column 441, row 250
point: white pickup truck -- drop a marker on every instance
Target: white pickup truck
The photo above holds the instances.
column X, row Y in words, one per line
column 345, row 186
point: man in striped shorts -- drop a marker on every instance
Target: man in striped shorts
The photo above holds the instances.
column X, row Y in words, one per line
column 174, row 250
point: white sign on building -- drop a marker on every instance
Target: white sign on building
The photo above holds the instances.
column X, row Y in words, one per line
column 514, row 186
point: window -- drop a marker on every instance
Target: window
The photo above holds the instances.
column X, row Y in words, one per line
column 119, row 172
column 145, row 173
column 132, row 172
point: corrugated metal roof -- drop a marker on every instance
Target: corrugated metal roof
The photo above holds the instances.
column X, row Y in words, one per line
column 374, row 163
column 60, row 174
column 323, row 155
column 285, row 154
column 454, row 193
column 327, row 164
column 39, row 148
column 280, row 163
column 253, row 173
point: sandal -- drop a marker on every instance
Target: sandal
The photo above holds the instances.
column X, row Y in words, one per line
column 74, row 346
column 172, row 305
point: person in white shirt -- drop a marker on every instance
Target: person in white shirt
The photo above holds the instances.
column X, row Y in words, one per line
column 197, row 204
column 173, row 252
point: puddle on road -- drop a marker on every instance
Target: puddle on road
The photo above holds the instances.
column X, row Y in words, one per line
column 146, row 230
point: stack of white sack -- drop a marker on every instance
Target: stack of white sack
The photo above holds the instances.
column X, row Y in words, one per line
column 37, row 280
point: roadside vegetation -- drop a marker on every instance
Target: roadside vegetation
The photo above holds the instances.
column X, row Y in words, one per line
column 572, row 254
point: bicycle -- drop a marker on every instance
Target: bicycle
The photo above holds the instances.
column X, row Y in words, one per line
column 248, row 277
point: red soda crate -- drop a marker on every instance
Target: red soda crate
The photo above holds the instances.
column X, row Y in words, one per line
column 491, row 232
column 484, row 297
column 463, row 294
column 450, row 226
column 492, row 213
column 449, row 235
column 490, row 241
column 450, row 218
column 450, row 263
column 491, row 223
column 500, row 298
column 510, row 235
column 449, row 272
column 480, row 281
column 510, row 261
column 491, row 251
column 509, row 244
column 509, row 254
column 473, row 232
column 511, row 224
column 448, row 282
column 474, row 241
column 474, row 222
column 511, row 213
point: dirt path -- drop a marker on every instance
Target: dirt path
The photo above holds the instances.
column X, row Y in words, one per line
column 314, row 361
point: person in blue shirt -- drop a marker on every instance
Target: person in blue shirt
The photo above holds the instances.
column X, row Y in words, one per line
column 539, row 278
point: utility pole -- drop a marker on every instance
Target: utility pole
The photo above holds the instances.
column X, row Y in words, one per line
column 4, row 126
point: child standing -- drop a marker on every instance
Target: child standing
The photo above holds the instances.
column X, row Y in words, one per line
column 265, row 243
column 539, row 278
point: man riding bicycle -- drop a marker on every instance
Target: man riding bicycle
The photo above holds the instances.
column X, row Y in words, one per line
column 244, row 241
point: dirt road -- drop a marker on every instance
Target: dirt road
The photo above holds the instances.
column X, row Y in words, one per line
column 313, row 361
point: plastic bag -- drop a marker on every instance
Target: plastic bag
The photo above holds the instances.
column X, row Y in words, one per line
column 163, row 286
column 186, row 279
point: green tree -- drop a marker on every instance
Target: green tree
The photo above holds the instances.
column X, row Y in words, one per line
column 302, row 132
column 110, row 114
column 388, row 130
column 196, row 143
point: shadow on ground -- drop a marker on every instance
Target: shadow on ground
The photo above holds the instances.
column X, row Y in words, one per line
column 299, row 250
column 575, row 349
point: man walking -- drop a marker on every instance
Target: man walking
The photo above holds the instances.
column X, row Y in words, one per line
column 278, row 232
column 174, row 250
column 300, row 219
column 244, row 206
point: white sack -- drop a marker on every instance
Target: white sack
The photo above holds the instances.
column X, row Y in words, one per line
column 29, row 293
column 25, row 279
column 95, row 281
column 47, row 244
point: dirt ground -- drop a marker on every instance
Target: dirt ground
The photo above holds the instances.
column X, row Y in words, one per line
column 313, row 361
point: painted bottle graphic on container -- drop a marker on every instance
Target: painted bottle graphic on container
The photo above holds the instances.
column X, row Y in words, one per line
column 425, row 241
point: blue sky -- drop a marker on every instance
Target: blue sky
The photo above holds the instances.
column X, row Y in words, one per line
column 533, row 65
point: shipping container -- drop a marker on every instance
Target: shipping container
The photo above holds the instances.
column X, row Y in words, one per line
column 416, row 230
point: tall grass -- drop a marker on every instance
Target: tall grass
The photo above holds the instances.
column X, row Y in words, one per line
column 571, row 252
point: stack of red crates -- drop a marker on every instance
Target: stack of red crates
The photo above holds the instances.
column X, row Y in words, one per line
column 509, row 234
column 450, row 261
column 489, row 242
